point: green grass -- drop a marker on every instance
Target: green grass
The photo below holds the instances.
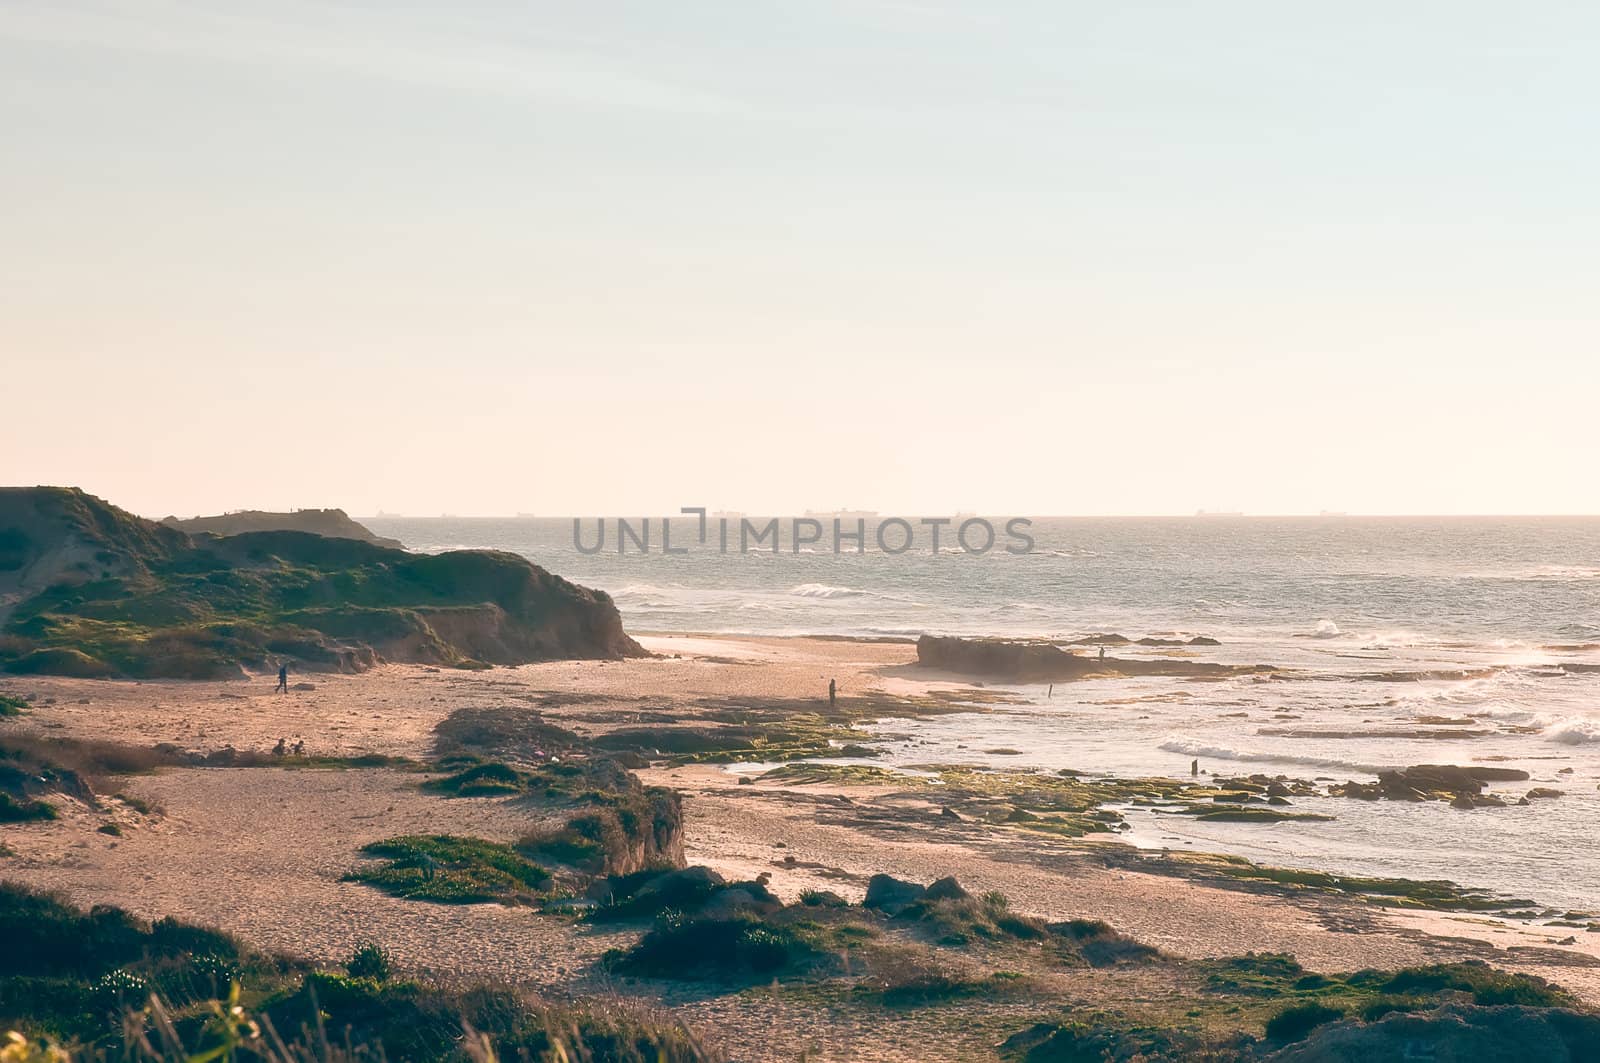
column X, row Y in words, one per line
column 447, row 869
column 12, row 706
column 162, row 605
column 717, row 950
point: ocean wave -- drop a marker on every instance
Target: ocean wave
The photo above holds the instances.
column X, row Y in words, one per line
column 1326, row 629
column 824, row 590
column 1541, row 574
column 1192, row 747
column 1574, row 731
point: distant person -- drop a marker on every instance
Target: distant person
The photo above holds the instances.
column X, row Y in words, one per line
column 1194, row 767
column 283, row 680
column 281, row 749
column 300, row 748
column 833, row 694
column 1102, row 651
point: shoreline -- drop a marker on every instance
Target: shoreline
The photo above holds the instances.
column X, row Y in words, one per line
column 806, row 835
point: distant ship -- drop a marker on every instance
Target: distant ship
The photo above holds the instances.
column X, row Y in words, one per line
column 844, row 514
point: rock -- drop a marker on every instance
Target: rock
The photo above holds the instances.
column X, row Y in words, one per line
column 1020, row 815
column 1277, row 789
column 890, row 895
column 1044, row 661
column 1426, row 780
column 747, row 780
column 1462, row 800
column 1545, row 791
column 1275, row 800
column 1564, row 771
column 304, row 686
column 1204, row 640
column 949, row 813
column 946, row 888
column 823, row 899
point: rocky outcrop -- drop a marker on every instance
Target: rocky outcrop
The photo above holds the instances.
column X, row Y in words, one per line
column 1462, row 786
column 1040, row 662
column 87, row 589
column 329, row 523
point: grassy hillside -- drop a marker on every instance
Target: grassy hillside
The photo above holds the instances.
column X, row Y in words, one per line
column 88, row 589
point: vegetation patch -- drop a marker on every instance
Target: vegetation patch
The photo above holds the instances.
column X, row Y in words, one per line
column 734, row 949
column 502, row 731
column 25, row 810
column 12, row 706
column 1389, row 892
column 85, row 978
column 1296, row 1022
column 448, row 869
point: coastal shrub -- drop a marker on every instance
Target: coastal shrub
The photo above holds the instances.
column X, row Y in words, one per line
column 482, row 780
column 13, row 810
column 448, row 869
column 1101, row 945
column 1488, row 985
column 1296, row 1022
column 715, row 949
column 690, row 890
column 370, row 960
column 1254, row 973
column 66, row 975
column 12, row 706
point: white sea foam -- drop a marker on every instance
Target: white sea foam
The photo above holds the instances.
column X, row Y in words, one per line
column 824, row 590
column 1326, row 629
column 1573, row 731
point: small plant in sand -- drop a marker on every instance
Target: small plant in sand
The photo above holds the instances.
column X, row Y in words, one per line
column 452, row 870
column 370, row 960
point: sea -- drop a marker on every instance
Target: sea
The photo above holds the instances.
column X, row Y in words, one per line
column 1429, row 640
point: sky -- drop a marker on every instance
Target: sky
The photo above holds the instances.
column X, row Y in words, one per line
column 1020, row 256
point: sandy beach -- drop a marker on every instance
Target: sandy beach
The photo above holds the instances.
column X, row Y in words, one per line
column 261, row 851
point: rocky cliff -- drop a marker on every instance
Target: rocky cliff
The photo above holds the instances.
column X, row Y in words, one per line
column 88, row 589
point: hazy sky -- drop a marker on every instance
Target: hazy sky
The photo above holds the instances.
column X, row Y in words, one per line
column 1038, row 256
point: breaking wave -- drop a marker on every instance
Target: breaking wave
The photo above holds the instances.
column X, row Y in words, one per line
column 823, row 590
column 1574, row 731
column 1191, row 747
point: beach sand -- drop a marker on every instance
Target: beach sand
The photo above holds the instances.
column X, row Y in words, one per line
column 262, row 851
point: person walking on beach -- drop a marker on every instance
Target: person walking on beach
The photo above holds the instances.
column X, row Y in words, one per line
column 1102, row 651
column 283, row 680
column 833, row 694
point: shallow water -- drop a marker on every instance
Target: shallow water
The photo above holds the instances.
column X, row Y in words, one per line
column 1340, row 600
